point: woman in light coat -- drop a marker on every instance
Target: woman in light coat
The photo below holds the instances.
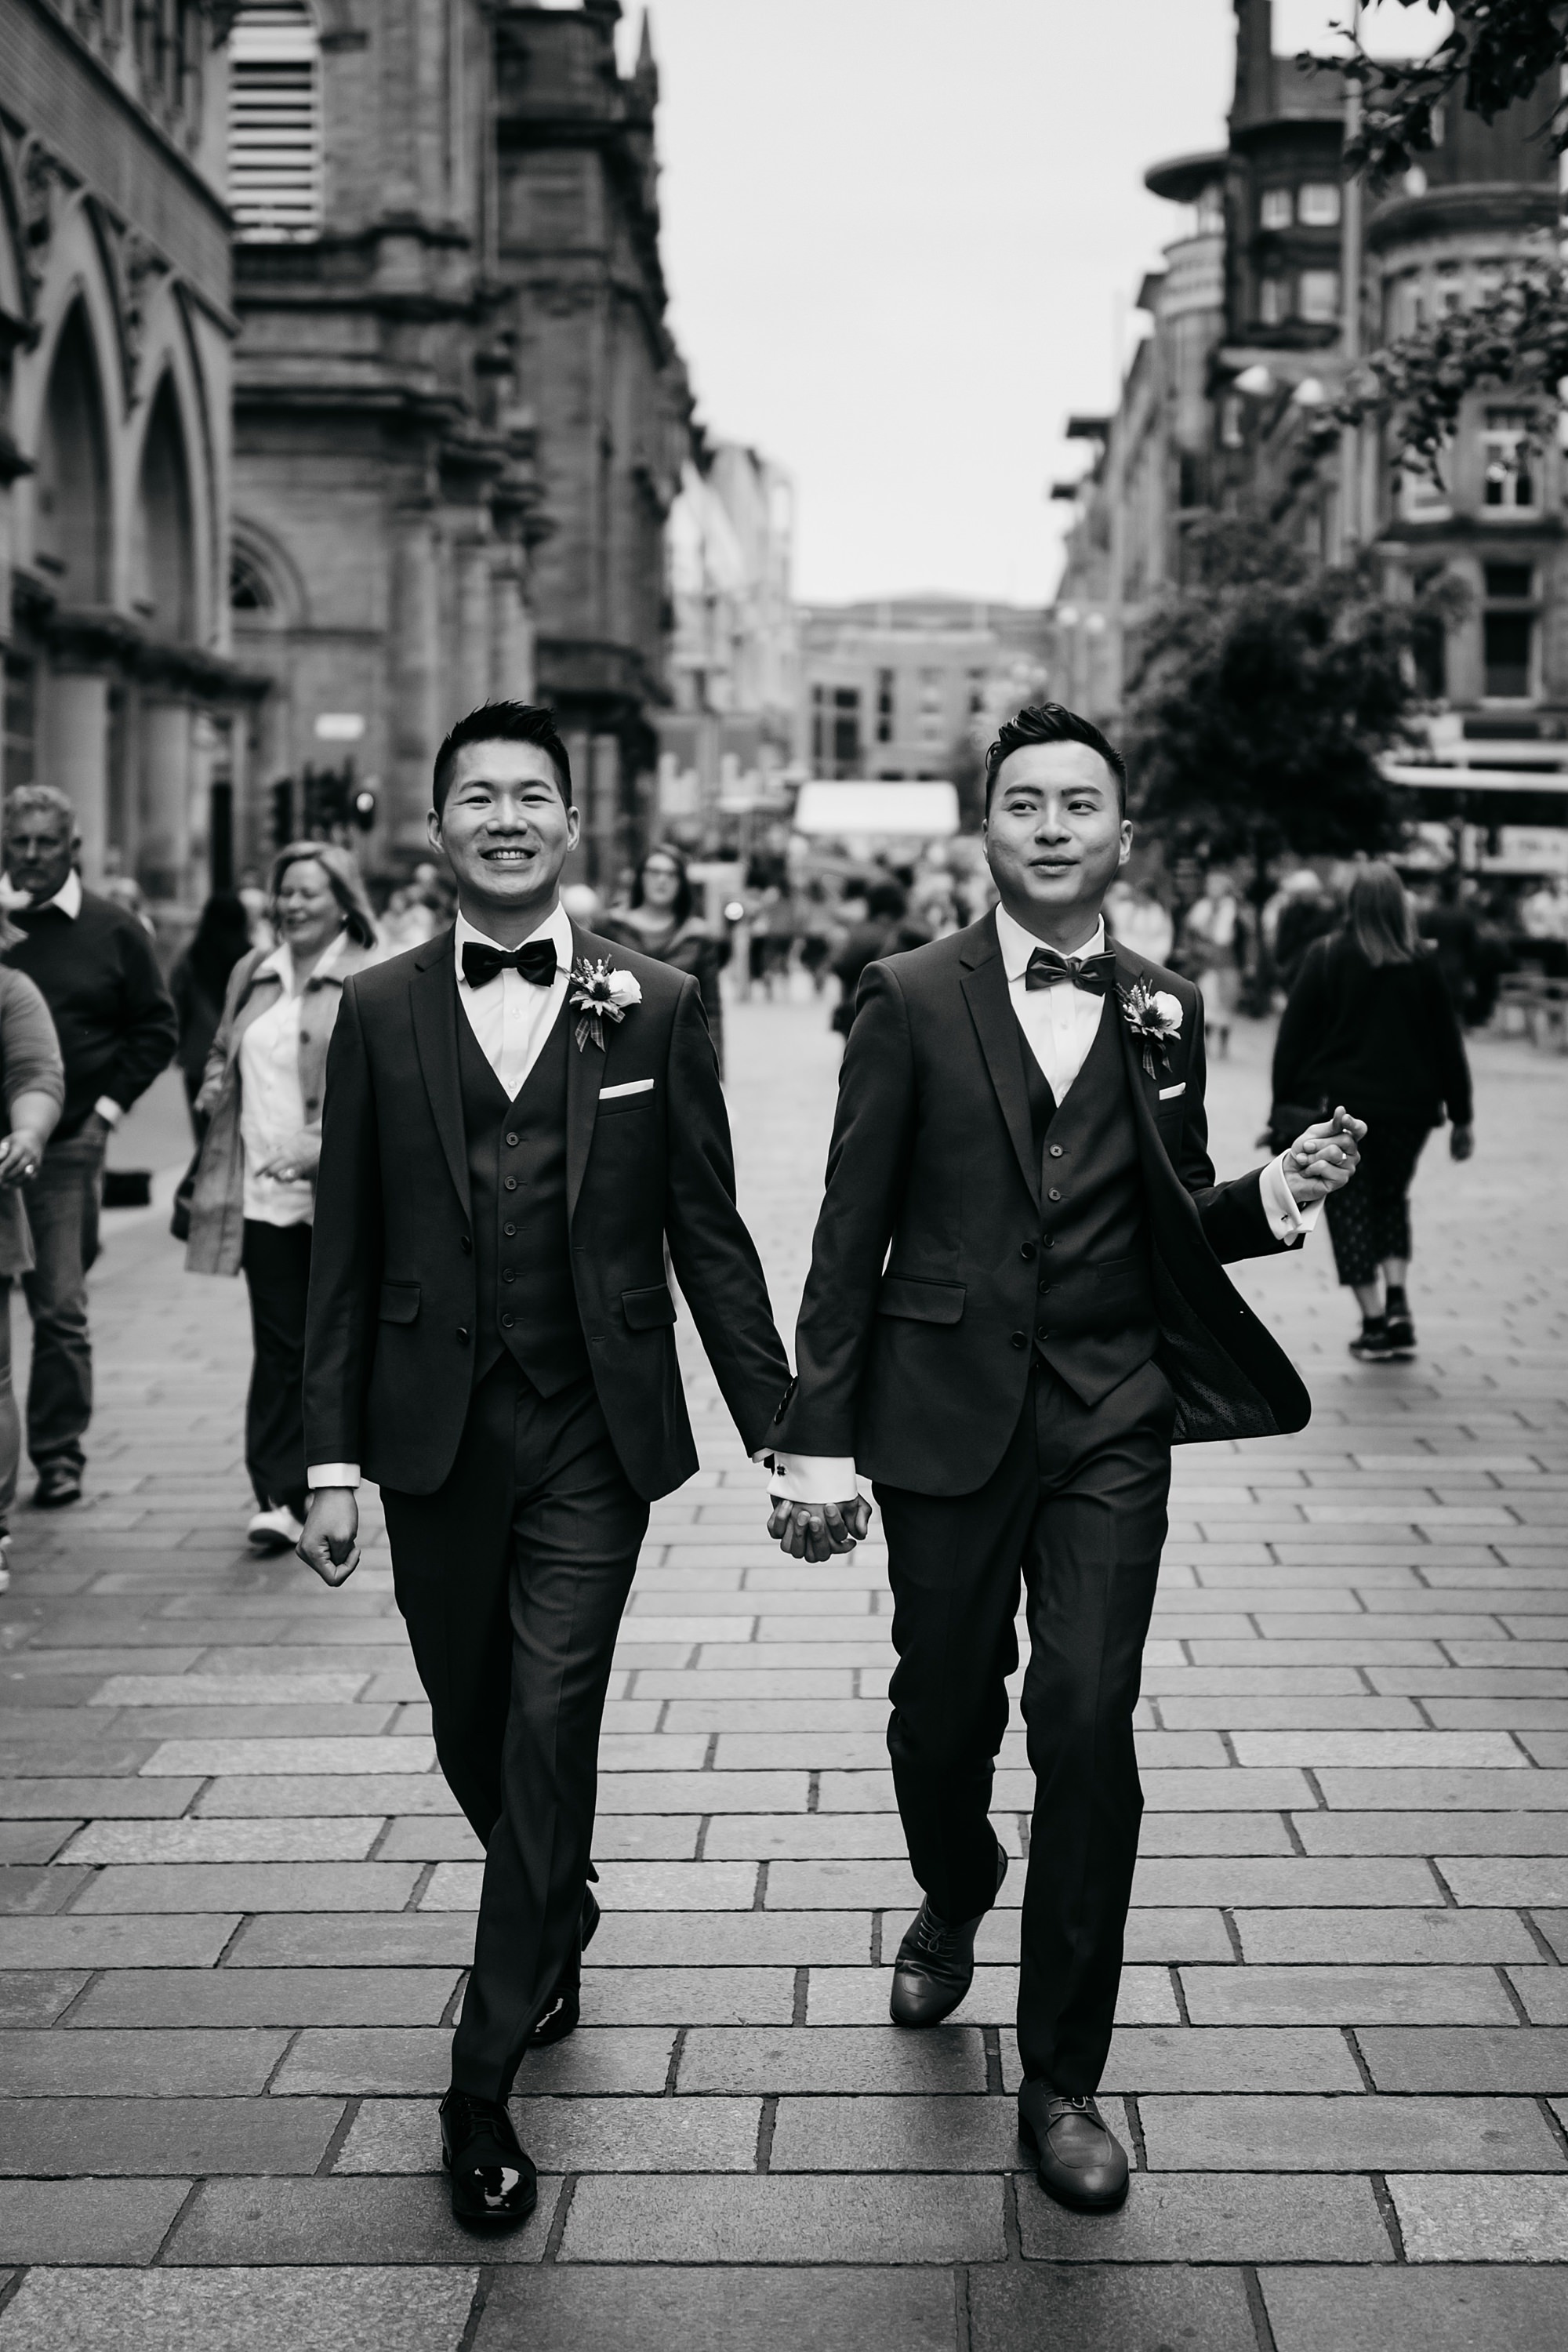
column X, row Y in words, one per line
column 33, row 1083
column 254, row 1196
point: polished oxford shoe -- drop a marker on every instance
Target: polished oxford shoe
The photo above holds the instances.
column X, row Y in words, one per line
column 1078, row 2160
column 935, row 1966
column 493, row 2179
column 566, row 2002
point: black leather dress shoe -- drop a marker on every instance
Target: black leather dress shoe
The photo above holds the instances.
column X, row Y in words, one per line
column 935, row 1966
column 566, row 2002
column 493, row 2179
column 1078, row 2160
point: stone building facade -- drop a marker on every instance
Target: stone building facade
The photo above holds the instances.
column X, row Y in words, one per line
column 116, row 329
column 459, row 418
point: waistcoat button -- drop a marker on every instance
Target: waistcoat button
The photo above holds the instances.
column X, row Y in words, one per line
column 1052, row 1195
column 1042, row 1333
column 508, row 1231
column 506, row 1322
column 1048, row 1241
column 511, row 1185
column 507, row 1273
column 1020, row 1338
column 511, row 1139
column 1055, row 1149
column 463, row 1332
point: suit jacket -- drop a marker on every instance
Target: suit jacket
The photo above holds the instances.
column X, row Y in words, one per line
column 914, row 1358
column 390, row 1329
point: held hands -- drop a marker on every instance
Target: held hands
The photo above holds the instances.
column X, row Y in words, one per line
column 299, row 1158
column 331, row 1541
column 1324, row 1157
column 816, row 1531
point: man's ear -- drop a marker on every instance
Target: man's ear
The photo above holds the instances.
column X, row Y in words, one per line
column 433, row 829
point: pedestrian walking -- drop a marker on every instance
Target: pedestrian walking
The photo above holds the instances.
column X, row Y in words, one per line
column 94, row 966
column 199, row 983
column 1213, row 938
column 33, row 1084
column 512, row 1134
column 872, row 936
column 255, row 1195
column 1371, row 1019
column 1017, row 1302
column 660, row 918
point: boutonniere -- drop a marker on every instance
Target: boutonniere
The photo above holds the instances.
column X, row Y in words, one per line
column 600, row 992
column 1153, row 1015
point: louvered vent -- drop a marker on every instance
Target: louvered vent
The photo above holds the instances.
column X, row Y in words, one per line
column 275, row 122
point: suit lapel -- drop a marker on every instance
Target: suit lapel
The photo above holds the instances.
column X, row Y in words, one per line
column 584, row 1077
column 433, row 994
column 991, row 1009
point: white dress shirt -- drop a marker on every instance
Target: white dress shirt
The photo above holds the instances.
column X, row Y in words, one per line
column 1059, row 1026
column 271, row 1104
column 511, row 1018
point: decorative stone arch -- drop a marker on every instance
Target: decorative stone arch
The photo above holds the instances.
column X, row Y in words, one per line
column 77, row 296
column 273, row 596
column 14, row 300
column 170, row 428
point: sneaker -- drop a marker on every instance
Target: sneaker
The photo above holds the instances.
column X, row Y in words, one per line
column 275, row 1530
column 1371, row 1342
column 59, row 1483
column 1401, row 1337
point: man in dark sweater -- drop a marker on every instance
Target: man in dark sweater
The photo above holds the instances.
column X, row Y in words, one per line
column 94, row 965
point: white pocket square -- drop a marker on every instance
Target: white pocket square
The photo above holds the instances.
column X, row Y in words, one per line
column 1179, row 1088
column 632, row 1087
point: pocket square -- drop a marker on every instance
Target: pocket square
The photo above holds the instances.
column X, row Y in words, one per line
column 631, row 1087
column 1179, row 1088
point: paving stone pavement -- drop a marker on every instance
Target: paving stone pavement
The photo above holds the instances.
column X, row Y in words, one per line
column 235, row 1896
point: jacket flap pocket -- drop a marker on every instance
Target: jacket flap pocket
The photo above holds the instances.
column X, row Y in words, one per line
column 647, row 1310
column 399, row 1302
column 920, row 1301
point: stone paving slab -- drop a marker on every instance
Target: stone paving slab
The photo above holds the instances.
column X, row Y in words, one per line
column 1339, row 2043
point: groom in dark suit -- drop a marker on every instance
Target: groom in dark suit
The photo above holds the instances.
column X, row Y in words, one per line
column 507, row 1144
column 1016, row 1306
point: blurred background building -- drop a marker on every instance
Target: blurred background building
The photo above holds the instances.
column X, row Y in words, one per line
column 115, row 328
column 1248, row 336
column 899, row 687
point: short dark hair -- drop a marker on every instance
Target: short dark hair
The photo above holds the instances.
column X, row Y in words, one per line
column 1052, row 722
column 502, row 722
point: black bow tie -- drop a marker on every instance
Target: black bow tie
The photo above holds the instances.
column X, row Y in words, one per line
column 1045, row 969
column 482, row 964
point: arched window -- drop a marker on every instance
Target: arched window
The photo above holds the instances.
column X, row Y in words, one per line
column 249, row 590
column 275, row 122
column 72, row 539
column 163, row 551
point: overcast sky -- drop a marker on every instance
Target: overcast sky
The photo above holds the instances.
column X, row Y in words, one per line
column 903, row 238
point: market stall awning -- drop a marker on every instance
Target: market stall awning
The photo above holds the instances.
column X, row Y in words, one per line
column 864, row 810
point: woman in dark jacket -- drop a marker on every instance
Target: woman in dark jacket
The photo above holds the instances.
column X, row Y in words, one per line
column 1370, row 1022
column 198, row 985
column 660, row 921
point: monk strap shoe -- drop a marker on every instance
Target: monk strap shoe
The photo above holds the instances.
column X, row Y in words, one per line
column 935, row 1966
column 493, row 2177
column 1078, row 2160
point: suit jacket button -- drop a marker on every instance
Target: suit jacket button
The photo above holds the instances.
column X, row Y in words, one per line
column 463, row 1333
column 1020, row 1340
column 1028, row 1251
column 1042, row 1333
column 1052, row 1195
column 1055, row 1149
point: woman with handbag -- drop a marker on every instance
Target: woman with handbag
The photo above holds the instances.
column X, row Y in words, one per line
column 33, row 1081
column 1370, row 1021
column 255, row 1195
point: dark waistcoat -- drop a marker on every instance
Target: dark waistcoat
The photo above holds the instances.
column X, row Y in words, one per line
column 1096, row 1320
column 517, row 1188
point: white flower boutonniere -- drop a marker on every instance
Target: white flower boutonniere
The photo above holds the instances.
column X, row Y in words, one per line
column 1153, row 1015
column 600, row 992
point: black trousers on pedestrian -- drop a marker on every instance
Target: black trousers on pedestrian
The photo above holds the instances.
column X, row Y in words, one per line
column 513, row 1579
column 1077, row 1508
column 277, row 1263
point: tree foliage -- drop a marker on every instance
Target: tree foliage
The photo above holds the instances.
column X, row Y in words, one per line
column 1496, row 52
column 1263, row 695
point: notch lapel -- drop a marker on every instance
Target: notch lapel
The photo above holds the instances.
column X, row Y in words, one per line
column 433, row 1000
column 585, row 1076
column 991, row 1009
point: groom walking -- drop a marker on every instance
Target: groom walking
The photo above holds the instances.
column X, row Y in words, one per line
column 1015, row 1307
column 509, row 1142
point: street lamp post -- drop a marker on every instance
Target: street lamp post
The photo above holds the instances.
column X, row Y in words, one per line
column 1351, row 532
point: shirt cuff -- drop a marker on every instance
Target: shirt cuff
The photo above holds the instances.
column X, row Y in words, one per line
column 109, row 1111
column 333, row 1473
column 815, row 1478
column 1287, row 1217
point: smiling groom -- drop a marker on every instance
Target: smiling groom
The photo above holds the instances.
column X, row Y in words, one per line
column 518, row 1116
column 1016, row 1306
